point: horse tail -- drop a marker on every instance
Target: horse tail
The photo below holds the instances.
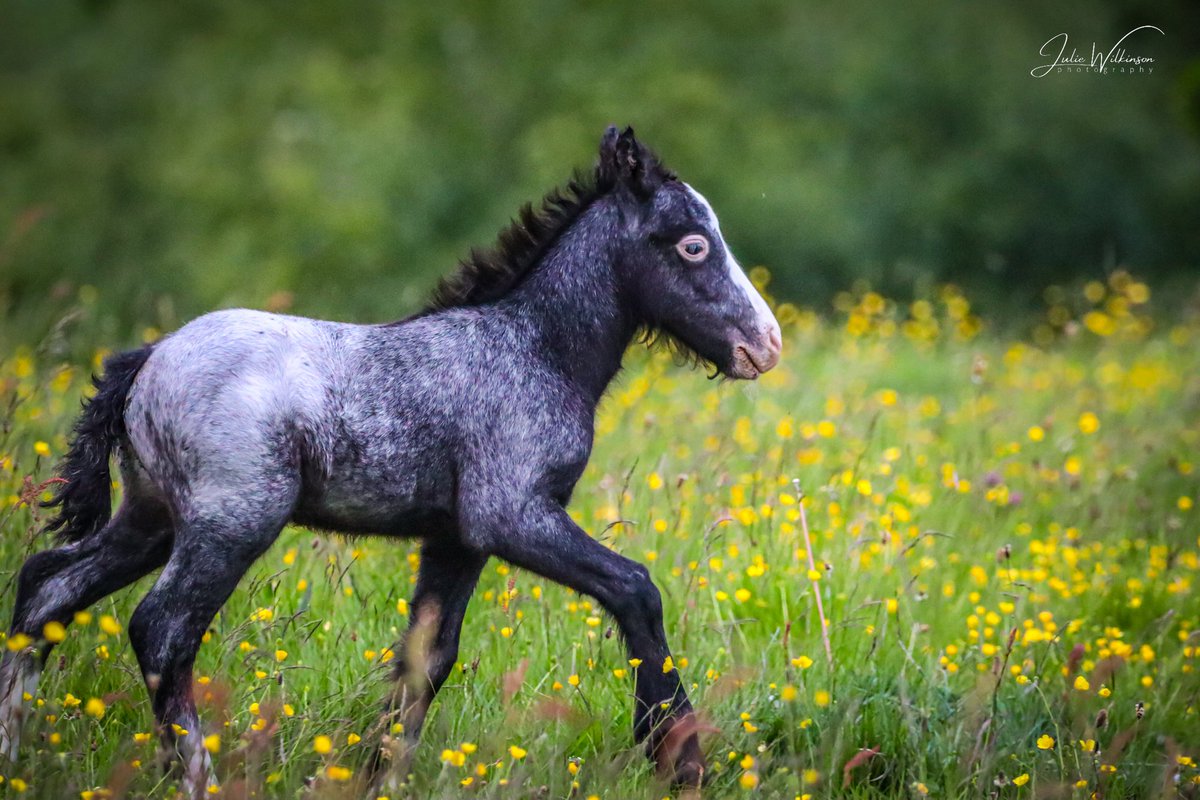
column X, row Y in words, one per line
column 84, row 494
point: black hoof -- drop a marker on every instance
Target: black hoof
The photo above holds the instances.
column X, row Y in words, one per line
column 676, row 751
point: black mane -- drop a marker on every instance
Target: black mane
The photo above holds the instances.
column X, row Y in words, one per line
column 486, row 275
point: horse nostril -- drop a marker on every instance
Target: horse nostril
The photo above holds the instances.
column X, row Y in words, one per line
column 775, row 339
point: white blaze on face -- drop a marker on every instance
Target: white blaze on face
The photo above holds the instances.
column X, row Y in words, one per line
column 765, row 321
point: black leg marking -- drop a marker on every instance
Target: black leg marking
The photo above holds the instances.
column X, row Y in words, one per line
column 545, row 540
column 205, row 566
column 55, row 584
column 429, row 649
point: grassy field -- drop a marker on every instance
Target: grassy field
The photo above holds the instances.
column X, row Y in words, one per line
column 1004, row 541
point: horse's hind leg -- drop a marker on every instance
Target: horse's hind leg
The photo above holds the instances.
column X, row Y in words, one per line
column 210, row 555
column 55, row 584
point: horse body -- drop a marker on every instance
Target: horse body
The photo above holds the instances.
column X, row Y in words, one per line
column 243, row 408
column 466, row 425
column 368, row 429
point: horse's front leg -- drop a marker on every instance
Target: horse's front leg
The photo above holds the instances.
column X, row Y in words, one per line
column 427, row 654
column 544, row 539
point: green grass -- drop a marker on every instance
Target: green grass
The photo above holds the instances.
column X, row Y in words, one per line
column 942, row 518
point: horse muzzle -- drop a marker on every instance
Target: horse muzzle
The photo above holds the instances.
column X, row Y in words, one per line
column 750, row 360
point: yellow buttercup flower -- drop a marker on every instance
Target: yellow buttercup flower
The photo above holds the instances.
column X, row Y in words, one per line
column 339, row 774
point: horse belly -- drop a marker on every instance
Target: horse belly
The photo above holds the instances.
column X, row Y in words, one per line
column 394, row 496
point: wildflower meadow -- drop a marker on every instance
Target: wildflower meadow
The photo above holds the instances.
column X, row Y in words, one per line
column 930, row 555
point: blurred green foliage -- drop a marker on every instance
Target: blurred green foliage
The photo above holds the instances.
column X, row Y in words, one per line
column 186, row 155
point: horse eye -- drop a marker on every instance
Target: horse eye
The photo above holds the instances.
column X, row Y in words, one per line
column 693, row 248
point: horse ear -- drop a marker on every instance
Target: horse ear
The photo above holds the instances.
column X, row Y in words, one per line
column 623, row 161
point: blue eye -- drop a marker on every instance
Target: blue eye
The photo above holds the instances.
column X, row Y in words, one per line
column 693, row 248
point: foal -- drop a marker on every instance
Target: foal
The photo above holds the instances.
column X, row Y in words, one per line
column 466, row 425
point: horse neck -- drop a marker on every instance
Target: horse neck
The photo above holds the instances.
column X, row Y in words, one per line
column 572, row 303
